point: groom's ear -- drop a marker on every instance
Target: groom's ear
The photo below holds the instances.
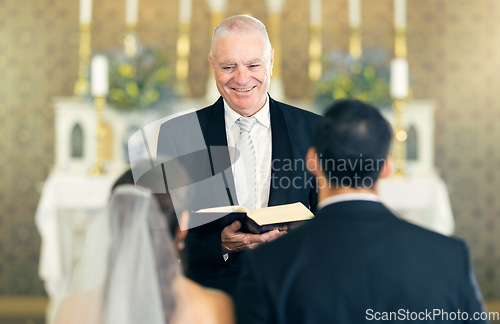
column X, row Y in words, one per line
column 312, row 162
column 386, row 169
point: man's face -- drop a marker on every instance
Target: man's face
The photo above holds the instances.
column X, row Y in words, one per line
column 242, row 65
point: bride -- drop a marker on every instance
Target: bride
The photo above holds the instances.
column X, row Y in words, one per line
column 129, row 271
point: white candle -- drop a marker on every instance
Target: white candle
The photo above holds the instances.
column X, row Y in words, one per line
column 399, row 78
column 275, row 6
column 185, row 11
column 85, row 12
column 315, row 12
column 400, row 13
column 99, row 76
column 216, row 5
column 132, row 12
column 354, row 13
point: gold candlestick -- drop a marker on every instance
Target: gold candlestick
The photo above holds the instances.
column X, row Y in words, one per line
column 400, row 51
column 99, row 103
column 182, row 66
column 215, row 19
column 400, row 137
column 315, row 53
column 130, row 42
column 82, row 84
column 275, row 36
column 355, row 47
column 400, row 43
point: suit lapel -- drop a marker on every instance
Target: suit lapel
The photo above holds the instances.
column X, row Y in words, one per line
column 281, row 157
column 215, row 127
column 216, row 142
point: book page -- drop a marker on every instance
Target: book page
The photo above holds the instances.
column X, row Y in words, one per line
column 281, row 214
column 224, row 209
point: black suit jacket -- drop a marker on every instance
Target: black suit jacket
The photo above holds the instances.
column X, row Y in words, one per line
column 353, row 260
column 292, row 131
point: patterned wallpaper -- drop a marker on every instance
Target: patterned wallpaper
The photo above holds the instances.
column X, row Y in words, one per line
column 37, row 46
column 452, row 53
column 453, row 48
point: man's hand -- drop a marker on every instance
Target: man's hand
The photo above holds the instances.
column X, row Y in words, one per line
column 233, row 240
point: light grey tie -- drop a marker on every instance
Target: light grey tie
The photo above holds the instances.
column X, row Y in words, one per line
column 247, row 151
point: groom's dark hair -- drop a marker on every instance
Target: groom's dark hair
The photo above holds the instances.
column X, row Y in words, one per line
column 352, row 141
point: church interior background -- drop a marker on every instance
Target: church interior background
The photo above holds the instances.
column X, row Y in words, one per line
column 451, row 50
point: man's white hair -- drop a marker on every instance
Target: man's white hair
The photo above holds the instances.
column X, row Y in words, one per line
column 239, row 24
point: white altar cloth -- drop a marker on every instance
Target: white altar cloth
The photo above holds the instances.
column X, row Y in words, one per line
column 422, row 201
column 66, row 206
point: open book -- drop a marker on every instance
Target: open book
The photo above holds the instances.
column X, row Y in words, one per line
column 258, row 221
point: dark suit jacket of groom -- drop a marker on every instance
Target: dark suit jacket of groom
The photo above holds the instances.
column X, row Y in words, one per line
column 355, row 259
column 292, row 130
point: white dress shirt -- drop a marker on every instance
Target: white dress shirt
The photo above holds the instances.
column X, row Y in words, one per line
column 262, row 142
column 347, row 197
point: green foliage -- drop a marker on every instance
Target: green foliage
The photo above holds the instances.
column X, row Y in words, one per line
column 365, row 79
column 139, row 82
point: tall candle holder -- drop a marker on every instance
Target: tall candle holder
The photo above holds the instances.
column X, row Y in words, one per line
column 355, row 47
column 315, row 46
column 82, row 84
column 399, row 86
column 182, row 65
column 315, row 52
column 217, row 15
column 99, row 89
column 98, row 168
column 275, row 11
column 400, row 52
column 400, row 48
column 131, row 41
column 274, row 35
column 216, row 18
column 400, row 136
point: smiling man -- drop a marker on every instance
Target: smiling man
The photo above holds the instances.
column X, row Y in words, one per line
column 266, row 135
column 242, row 60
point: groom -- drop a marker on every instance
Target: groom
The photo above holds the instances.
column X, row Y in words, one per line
column 356, row 261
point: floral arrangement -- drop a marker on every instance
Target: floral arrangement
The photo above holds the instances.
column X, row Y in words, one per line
column 365, row 79
column 139, row 82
